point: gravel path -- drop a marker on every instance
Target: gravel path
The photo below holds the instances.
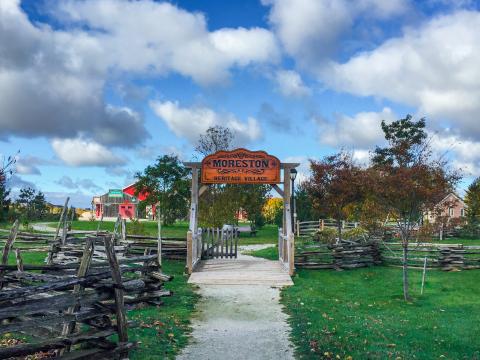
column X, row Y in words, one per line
column 239, row 322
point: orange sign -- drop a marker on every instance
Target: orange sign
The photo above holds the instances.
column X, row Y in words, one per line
column 240, row 166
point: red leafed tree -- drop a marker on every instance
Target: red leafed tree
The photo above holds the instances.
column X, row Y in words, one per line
column 407, row 180
column 334, row 185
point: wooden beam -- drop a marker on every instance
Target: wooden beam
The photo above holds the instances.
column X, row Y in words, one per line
column 203, row 188
column 278, row 189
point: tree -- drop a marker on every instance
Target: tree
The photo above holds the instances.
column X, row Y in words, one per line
column 216, row 138
column 304, row 205
column 472, row 201
column 25, row 203
column 406, row 180
column 272, row 210
column 334, row 186
column 6, row 170
column 252, row 199
column 166, row 182
column 39, row 205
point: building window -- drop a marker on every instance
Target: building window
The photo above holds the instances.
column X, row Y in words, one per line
column 450, row 211
column 462, row 212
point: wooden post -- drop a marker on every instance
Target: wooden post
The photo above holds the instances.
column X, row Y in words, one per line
column 18, row 257
column 61, row 219
column 423, row 275
column 8, row 246
column 72, row 217
column 189, row 251
column 119, row 292
column 65, row 229
column 322, row 224
column 298, row 228
column 68, row 328
column 124, row 230
column 159, row 236
column 99, row 223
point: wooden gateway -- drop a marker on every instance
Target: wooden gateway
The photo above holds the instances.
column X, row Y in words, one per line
column 241, row 166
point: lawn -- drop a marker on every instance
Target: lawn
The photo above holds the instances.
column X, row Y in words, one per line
column 266, row 235
column 360, row 314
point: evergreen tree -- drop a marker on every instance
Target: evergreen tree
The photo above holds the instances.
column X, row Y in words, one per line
column 472, row 201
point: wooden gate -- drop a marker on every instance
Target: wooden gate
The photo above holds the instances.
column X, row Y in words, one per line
column 219, row 243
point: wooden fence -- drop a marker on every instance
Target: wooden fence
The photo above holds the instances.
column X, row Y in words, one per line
column 305, row 228
column 219, row 243
column 344, row 255
column 444, row 256
column 72, row 310
column 353, row 255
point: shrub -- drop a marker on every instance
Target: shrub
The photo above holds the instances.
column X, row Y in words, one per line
column 326, row 236
column 358, row 234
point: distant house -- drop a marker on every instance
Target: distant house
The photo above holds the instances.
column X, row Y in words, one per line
column 450, row 207
column 113, row 203
column 120, row 201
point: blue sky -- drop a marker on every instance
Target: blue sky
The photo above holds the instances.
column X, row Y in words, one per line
column 94, row 90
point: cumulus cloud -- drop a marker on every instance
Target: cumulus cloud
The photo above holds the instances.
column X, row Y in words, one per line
column 28, row 165
column 80, row 152
column 361, row 130
column 434, row 67
column 191, row 122
column 275, row 119
column 53, row 80
column 309, row 30
column 52, row 84
column 163, row 38
column 290, row 84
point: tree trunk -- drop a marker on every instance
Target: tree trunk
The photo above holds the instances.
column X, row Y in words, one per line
column 339, row 226
column 406, row 294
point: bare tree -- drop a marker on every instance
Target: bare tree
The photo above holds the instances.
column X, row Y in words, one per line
column 216, row 138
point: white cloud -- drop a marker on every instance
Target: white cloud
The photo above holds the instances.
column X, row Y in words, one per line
column 290, row 83
column 162, row 38
column 310, row 30
column 434, row 67
column 53, row 80
column 190, row 123
column 361, row 131
column 464, row 153
column 80, row 152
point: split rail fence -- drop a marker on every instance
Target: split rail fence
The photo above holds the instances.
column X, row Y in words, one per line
column 347, row 255
column 71, row 309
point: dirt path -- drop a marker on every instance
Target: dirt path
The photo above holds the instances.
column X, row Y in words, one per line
column 241, row 321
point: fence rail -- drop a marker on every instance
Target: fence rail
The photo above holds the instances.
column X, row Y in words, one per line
column 305, row 228
column 351, row 255
column 61, row 305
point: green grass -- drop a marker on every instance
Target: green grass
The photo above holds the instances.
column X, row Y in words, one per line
column 361, row 313
column 164, row 330
column 270, row 253
column 150, row 227
column 268, row 234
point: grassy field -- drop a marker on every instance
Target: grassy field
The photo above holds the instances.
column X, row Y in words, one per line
column 266, row 235
column 360, row 314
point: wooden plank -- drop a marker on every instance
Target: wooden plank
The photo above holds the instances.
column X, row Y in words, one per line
column 78, row 289
column 8, row 246
column 119, row 293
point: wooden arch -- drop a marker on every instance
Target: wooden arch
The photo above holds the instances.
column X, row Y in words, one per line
column 241, row 166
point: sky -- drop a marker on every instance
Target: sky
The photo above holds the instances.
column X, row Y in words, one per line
column 93, row 91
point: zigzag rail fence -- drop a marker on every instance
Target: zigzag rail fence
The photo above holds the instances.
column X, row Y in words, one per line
column 71, row 307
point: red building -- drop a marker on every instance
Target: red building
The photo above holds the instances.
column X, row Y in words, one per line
column 120, row 201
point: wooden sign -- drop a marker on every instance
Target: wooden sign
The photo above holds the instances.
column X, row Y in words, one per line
column 240, row 166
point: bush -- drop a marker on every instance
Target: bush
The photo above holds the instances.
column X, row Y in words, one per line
column 326, row 236
column 358, row 234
